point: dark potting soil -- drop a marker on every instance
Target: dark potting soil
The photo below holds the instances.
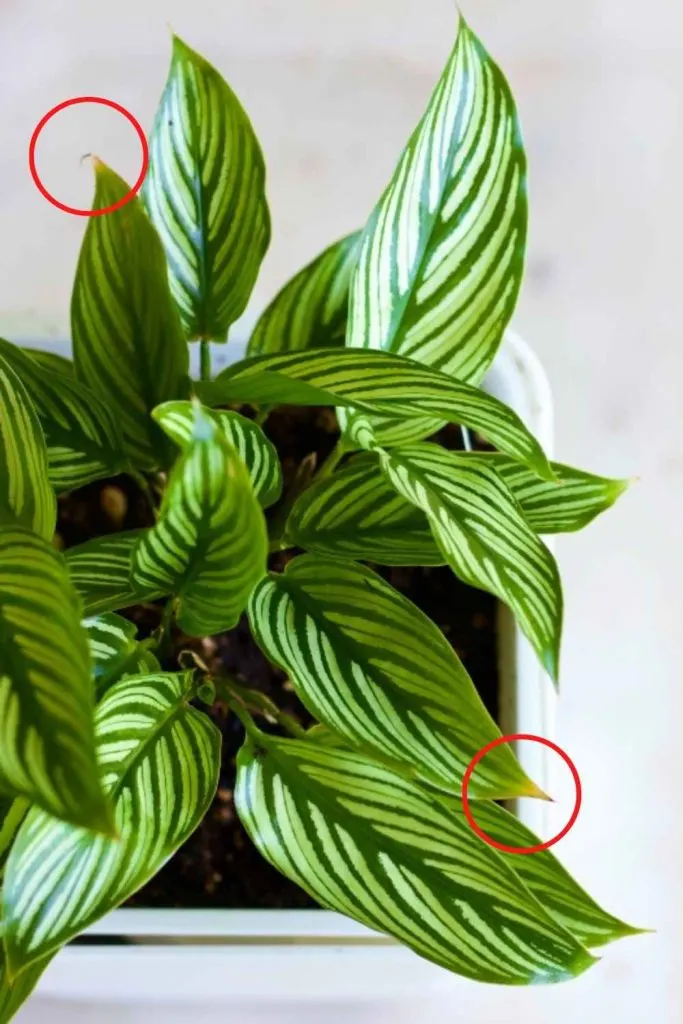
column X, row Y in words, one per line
column 218, row 866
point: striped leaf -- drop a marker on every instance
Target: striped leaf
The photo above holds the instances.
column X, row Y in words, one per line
column 550, row 882
column 373, row 845
column 374, row 382
column 205, row 194
column 311, row 310
column 115, row 653
column 258, row 454
column 101, row 571
column 51, row 361
column 159, row 760
column 441, row 258
column 128, row 343
column 47, row 748
column 371, row 666
column 15, row 992
column 484, row 537
column 356, row 513
column 12, row 813
column 26, row 496
column 83, row 439
column 210, row 544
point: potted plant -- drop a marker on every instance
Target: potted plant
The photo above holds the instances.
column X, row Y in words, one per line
column 247, row 558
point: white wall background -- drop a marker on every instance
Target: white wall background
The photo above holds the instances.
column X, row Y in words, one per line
column 334, row 89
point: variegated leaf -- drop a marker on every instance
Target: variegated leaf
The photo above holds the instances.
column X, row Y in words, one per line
column 51, row 361
column 376, row 670
column 375, row 382
column 484, row 537
column 128, row 343
column 210, row 544
column 14, row 992
column 115, row 653
column 47, row 748
column 101, row 571
column 83, row 438
column 311, row 310
column 205, row 193
column 26, row 496
column 258, row 454
column 373, row 845
column 442, row 255
column 12, row 813
column 159, row 760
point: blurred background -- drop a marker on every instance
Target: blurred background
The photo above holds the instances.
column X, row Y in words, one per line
column 334, row 88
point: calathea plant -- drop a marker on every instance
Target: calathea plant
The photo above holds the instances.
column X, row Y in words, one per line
column 108, row 756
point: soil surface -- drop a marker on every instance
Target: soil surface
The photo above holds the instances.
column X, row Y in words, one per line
column 218, row 866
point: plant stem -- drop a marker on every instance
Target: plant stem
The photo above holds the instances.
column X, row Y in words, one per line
column 332, row 460
column 262, row 415
column 205, row 359
column 302, row 479
column 165, row 630
column 466, row 439
column 146, row 488
column 256, row 701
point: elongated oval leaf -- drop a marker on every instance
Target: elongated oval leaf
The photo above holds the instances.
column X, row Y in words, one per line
column 442, row 256
column 210, row 544
column 115, row 653
column 101, row 570
column 258, row 454
column 14, row 992
column 375, row 382
column 311, row 310
column 374, row 668
column 205, row 193
column 159, row 760
column 51, row 361
column 83, row 439
column 127, row 338
column 47, row 748
column 484, row 537
column 26, row 496
column 371, row 844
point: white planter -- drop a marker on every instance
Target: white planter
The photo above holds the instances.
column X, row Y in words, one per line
column 214, row 958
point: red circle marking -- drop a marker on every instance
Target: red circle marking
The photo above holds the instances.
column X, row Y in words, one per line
column 105, row 103
column 468, row 775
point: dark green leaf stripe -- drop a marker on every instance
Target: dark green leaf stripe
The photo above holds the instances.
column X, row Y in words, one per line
column 375, row 382
column 26, row 496
column 210, row 544
column 47, row 748
column 371, row 844
column 258, row 454
column 371, row 666
column 484, row 537
column 311, row 310
column 442, row 256
column 550, row 882
column 101, row 571
column 205, row 193
column 83, row 439
column 12, row 812
column 51, row 361
column 127, row 338
column 159, row 760
column 115, row 652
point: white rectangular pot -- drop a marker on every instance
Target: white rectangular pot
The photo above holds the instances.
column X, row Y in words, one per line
column 212, row 959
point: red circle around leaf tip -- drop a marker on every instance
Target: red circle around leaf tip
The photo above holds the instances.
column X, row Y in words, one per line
column 72, row 209
column 468, row 775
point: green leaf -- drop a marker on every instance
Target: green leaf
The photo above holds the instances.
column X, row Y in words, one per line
column 550, row 882
column 47, row 749
column 12, row 813
column 311, row 310
column 26, row 496
column 258, row 454
column 101, row 571
column 210, row 544
column 374, row 382
column 205, row 193
column 14, row 993
column 365, row 841
column 368, row 663
column 115, row 653
column 159, row 760
column 83, row 439
column 442, row 255
column 51, row 361
column 484, row 537
column 127, row 337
